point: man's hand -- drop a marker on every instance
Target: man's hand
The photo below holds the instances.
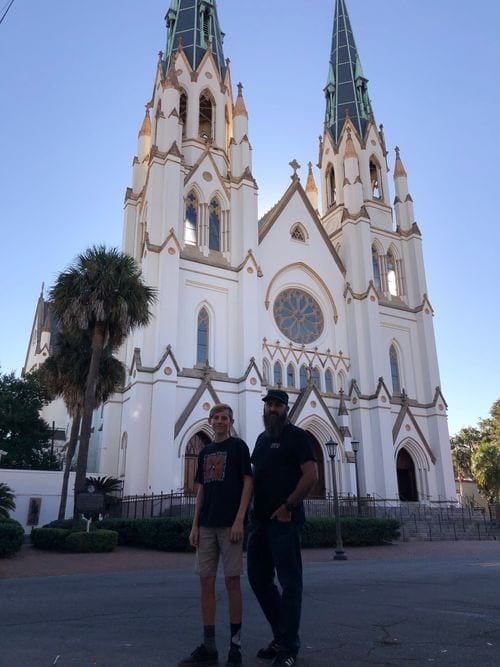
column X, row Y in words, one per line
column 237, row 530
column 282, row 514
column 194, row 536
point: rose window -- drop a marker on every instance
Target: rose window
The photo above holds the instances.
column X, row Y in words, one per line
column 298, row 316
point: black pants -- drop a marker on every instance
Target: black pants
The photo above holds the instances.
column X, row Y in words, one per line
column 274, row 548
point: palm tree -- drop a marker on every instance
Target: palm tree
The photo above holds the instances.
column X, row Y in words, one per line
column 102, row 293
column 64, row 374
column 7, row 503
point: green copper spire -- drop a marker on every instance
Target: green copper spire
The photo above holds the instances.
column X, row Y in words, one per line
column 194, row 25
column 346, row 87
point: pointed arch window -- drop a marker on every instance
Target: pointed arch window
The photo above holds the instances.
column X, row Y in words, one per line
column 214, row 216
column 303, row 377
column 328, row 381
column 207, row 116
column 393, row 358
column 266, row 371
column 331, row 189
column 202, row 337
column 290, row 376
column 278, row 374
column 183, row 111
column 316, row 378
column 392, row 280
column 191, row 219
column 375, row 179
column 376, row 269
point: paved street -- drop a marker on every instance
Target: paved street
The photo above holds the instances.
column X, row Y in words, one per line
column 426, row 606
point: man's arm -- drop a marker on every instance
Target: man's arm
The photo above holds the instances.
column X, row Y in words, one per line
column 194, row 535
column 304, row 485
column 246, row 495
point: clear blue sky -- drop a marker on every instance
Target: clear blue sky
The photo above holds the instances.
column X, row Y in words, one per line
column 74, row 78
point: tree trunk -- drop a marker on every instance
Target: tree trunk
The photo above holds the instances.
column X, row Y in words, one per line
column 73, row 439
column 88, row 410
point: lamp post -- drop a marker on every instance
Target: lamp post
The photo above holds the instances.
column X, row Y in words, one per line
column 331, row 448
column 355, row 449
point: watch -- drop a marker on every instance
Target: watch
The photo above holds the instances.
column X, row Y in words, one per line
column 289, row 506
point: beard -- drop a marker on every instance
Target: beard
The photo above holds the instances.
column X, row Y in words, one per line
column 274, row 424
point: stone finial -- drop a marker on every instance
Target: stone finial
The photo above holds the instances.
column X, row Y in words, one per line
column 399, row 170
column 294, row 165
column 146, row 124
column 349, row 145
column 311, row 183
column 239, row 106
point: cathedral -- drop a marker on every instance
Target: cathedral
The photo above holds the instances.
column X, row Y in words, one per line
column 339, row 317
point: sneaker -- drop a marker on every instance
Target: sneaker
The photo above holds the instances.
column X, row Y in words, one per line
column 234, row 656
column 270, row 652
column 200, row 656
column 285, row 658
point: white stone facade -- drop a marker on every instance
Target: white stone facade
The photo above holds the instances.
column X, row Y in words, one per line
column 150, row 428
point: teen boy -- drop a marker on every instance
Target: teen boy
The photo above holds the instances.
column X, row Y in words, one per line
column 224, row 476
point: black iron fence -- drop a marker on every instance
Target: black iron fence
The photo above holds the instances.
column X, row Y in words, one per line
column 178, row 505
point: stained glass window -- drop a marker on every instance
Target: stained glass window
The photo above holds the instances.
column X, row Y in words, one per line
column 298, row 316
column 393, row 357
column 191, row 218
column 290, row 376
column 316, row 378
column 278, row 374
column 303, row 377
column 391, row 274
column 214, row 225
column 202, row 337
column 376, row 269
column 328, row 381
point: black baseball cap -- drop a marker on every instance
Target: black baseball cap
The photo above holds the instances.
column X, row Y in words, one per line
column 276, row 395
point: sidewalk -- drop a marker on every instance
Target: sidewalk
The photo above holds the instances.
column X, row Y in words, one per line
column 31, row 562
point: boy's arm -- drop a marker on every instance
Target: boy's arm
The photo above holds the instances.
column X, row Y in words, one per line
column 194, row 535
column 246, row 495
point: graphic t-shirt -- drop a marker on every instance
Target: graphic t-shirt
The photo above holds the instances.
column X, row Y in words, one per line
column 221, row 468
column 277, row 470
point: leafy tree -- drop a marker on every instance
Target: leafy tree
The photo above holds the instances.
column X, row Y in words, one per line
column 486, row 470
column 463, row 445
column 109, row 487
column 7, row 503
column 24, row 435
column 102, row 293
column 64, row 374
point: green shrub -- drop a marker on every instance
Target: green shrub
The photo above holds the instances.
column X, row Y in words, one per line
column 75, row 525
column 50, row 539
column 11, row 537
column 97, row 541
column 355, row 532
column 164, row 534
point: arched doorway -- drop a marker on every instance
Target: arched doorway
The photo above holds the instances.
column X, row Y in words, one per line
column 318, row 490
column 193, row 448
column 407, row 481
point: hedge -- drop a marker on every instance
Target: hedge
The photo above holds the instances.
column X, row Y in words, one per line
column 49, row 539
column 173, row 534
column 355, row 532
column 162, row 534
column 97, row 541
column 64, row 539
column 11, row 537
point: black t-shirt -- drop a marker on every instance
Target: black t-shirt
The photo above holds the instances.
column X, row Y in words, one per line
column 277, row 470
column 221, row 468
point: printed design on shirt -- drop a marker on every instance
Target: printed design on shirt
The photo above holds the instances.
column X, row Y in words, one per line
column 275, row 445
column 214, row 467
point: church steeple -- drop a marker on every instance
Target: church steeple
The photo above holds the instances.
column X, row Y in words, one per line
column 193, row 25
column 346, row 89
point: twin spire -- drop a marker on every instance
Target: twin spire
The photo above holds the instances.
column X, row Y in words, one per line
column 346, row 88
column 193, row 25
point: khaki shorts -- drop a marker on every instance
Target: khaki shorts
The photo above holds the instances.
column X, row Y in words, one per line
column 214, row 543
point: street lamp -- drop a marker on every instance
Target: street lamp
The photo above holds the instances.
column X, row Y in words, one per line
column 331, row 448
column 355, row 449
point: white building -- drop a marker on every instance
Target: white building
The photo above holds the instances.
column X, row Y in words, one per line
column 326, row 299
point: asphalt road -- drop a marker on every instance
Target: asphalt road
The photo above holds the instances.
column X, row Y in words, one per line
column 411, row 611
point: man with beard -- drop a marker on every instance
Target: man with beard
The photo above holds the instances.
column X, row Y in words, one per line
column 284, row 473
